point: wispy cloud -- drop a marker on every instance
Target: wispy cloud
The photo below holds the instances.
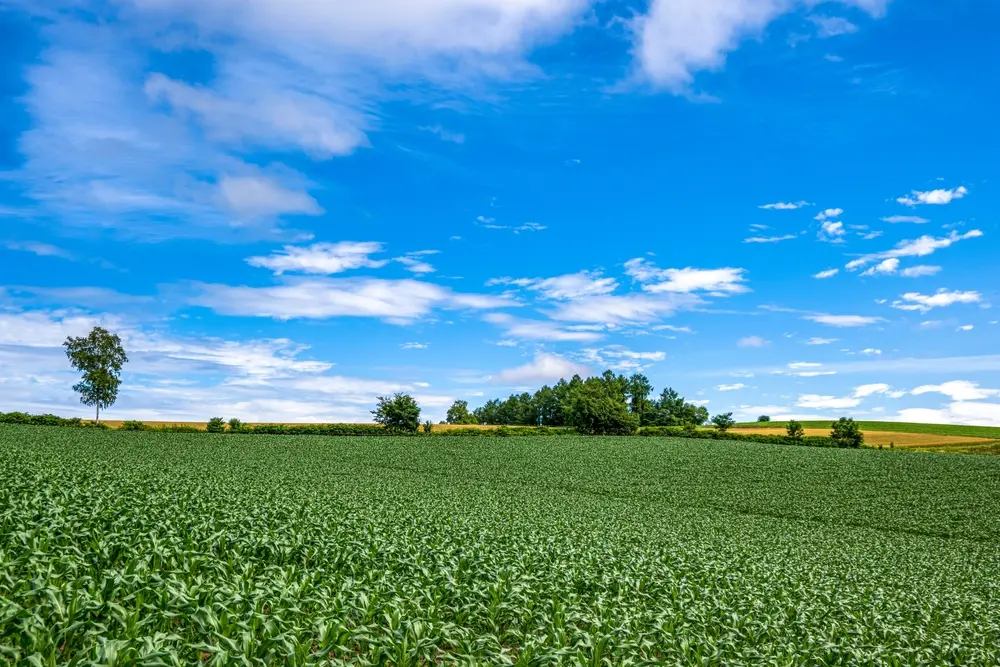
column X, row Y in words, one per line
column 920, row 247
column 785, row 206
column 940, row 299
column 938, row 197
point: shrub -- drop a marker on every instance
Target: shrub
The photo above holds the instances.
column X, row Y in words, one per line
column 236, row 426
column 847, row 433
column 763, row 419
column 795, row 430
column 133, row 425
column 216, row 425
column 398, row 413
column 428, row 426
column 723, row 422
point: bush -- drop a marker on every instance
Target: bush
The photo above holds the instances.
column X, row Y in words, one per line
column 428, row 426
column 795, row 430
column 763, row 419
column 398, row 413
column 723, row 422
column 846, row 433
column 216, row 425
column 133, row 425
column 684, row 432
column 236, row 426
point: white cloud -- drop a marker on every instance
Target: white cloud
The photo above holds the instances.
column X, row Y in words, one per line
column 751, row 341
column 40, row 249
column 831, row 232
column 868, row 236
column 569, row 286
column 629, row 308
column 490, row 223
column 785, row 206
column 866, row 390
column 396, row 301
column 921, row 247
column 817, row 401
column 959, row 412
column 896, row 219
column 445, row 135
column 885, row 267
column 821, row 341
column 938, row 197
column 844, row 320
column 828, row 213
column 942, row 298
column 730, row 387
column 671, row 327
column 539, row 329
column 545, row 368
column 414, row 264
column 620, row 358
column 920, row 271
column 957, row 390
column 829, row 273
column 414, row 346
column 322, row 258
column 966, row 327
column 871, row 351
column 719, row 282
column 769, row 239
column 796, row 365
column 255, row 196
column 832, row 26
column 677, row 38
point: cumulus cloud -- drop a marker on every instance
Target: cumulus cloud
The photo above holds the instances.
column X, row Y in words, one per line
column 938, row 197
column 831, row 232
column 940, row 299
column 885, row 267
column 920, row 247
column 675, row 39
column 718, row 282
column 971, row 413
column 544, row 368
column 828, row 214
column 322, row 258
column 957, row 390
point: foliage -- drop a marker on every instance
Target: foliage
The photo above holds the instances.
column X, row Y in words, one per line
column 46, row 420
column 99, row 357
column 713, row 434
column 133, row 425
column 216, row 425
column 597, row 409
column 236, row 426
column 723, row 422
column 795, row 430
column 172, row 549
column 428, row 427
column 846, row 433
column 763, row 419
column 459, row 413
column 398, row 413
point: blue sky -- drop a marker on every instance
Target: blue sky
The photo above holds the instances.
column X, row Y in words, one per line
column 287, row 208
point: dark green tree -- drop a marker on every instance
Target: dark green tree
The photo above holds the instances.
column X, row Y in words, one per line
column 459, row 413
column 639, row 389
column 216, row 425
column 846, row 433
column 723, row 422
column 596, row 409
column 398, row 413
column 763, row 419
column 795, row 430
column 99, row 356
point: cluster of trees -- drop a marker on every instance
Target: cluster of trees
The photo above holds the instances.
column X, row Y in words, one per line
column 606, row 404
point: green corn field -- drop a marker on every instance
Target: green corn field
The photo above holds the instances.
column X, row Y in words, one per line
column 121, row 548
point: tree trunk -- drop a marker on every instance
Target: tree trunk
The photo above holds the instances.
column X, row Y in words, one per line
column 97, row 414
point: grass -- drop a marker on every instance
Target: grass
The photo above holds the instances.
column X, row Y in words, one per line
column 989, row 432
column 131, row 548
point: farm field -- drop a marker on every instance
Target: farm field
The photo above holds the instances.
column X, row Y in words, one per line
column 988, row 432
column 898, row 438
column 161, row 548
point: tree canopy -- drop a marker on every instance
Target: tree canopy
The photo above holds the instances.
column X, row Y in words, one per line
column 99, row 356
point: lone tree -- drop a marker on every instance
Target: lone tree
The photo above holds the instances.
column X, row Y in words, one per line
column 763, row 419
column 99, row 357
column 398, row 413
column 847, row 433
column 723, row 422
column 795, row 430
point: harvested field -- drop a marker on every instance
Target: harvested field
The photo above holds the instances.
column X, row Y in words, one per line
column 898, row 438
